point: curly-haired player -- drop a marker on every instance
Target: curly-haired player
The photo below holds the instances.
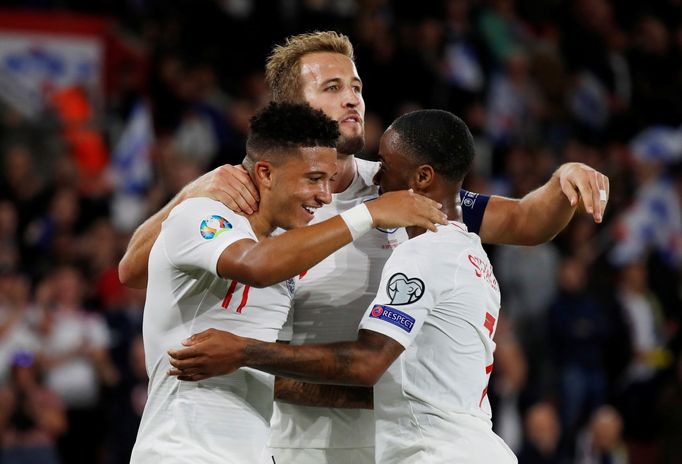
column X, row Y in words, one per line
column 204, row 264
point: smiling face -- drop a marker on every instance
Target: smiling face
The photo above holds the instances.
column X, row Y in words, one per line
column 331, row 84
column 298, row 186
column 396, row 169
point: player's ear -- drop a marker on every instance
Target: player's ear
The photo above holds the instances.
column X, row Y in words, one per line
column 423, row 177
column 263, row 173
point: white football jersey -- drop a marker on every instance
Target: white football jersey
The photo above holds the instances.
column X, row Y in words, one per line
column 330, row 301
column 224, row 419
column 438, row 297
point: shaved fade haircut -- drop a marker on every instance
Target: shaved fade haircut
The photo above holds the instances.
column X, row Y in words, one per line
column 283, row 66
column 438, row 138
column 280, row 129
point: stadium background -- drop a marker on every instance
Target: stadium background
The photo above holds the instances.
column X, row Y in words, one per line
column 107, row 108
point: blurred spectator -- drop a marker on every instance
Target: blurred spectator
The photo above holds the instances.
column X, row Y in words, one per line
column 603, row 441
column 645, row 319
column 654, row 220
column 31, row 416
column 579, row 332
column 466, row 58
column 507, row 384
column 16, row 315
column 9, row 224
column 641, row 386
column 515, row 108
column 542, row 436
column 76, row 361
column 130, row 400
column 503, row 30
column 656, row 74
column 527, row 277
column 23, row 185
column 51, row 238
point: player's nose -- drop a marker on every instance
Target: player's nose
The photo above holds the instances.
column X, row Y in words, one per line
column 324, row 195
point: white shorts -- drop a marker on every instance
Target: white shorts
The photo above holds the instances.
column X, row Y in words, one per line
column 323, row 455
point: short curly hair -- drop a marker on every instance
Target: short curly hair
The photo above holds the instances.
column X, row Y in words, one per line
column 282, row 127
column 283, row 67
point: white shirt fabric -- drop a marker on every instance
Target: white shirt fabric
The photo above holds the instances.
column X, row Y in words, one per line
column 76, row 380
column 329, row 303
column 224, row 419
column 439, row 298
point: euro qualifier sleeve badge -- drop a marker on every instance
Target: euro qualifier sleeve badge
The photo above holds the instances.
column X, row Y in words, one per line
column 213, row 226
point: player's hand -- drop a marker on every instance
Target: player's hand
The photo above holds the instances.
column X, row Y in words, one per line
column 406, row 208
column 230, row 185
column 581, row 182
column 207, row 354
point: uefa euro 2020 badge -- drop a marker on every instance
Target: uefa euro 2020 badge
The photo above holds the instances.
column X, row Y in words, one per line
column 213, row 226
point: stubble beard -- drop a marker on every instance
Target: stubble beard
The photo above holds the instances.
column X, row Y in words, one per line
column 350, row 145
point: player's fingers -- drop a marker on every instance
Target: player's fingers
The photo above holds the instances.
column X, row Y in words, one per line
column 246, row 200
column 437, row 217
column 174, row 371
column 431, row 210
column 602, row 193
column 250, row 188
column 241, row 190
column 595, row 195
column 234, row 188
column 192, row 378
column 607, row 185
column 426, row 201
column 430, row 226
column 586, row 194
column 180, row 361
column 570, row 191
column 197, row 337
column 181, row 354
column 230, row 196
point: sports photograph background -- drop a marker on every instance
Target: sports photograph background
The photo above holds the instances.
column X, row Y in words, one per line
column 108, row 108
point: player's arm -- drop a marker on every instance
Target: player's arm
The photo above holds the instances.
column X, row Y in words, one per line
column 278, row 258
column 215, row 352
column 542, row 214
column 231, row 185
column 320, row 395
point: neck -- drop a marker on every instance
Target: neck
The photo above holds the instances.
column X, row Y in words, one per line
column 451, row 207
column 345, row 172
column 261, row 224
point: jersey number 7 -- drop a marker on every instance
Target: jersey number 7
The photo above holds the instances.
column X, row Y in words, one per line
column 489, row 324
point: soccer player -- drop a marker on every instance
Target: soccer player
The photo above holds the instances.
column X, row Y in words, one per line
column 318, row 68
column 426, row 341
column 204, row 264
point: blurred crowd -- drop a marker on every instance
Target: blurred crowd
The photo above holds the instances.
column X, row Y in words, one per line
column 588, row 367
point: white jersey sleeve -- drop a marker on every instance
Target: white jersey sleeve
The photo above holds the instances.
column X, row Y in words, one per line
column 404, row 298
column 198, row 230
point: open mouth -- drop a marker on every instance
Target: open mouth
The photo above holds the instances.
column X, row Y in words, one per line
column 310, row 209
